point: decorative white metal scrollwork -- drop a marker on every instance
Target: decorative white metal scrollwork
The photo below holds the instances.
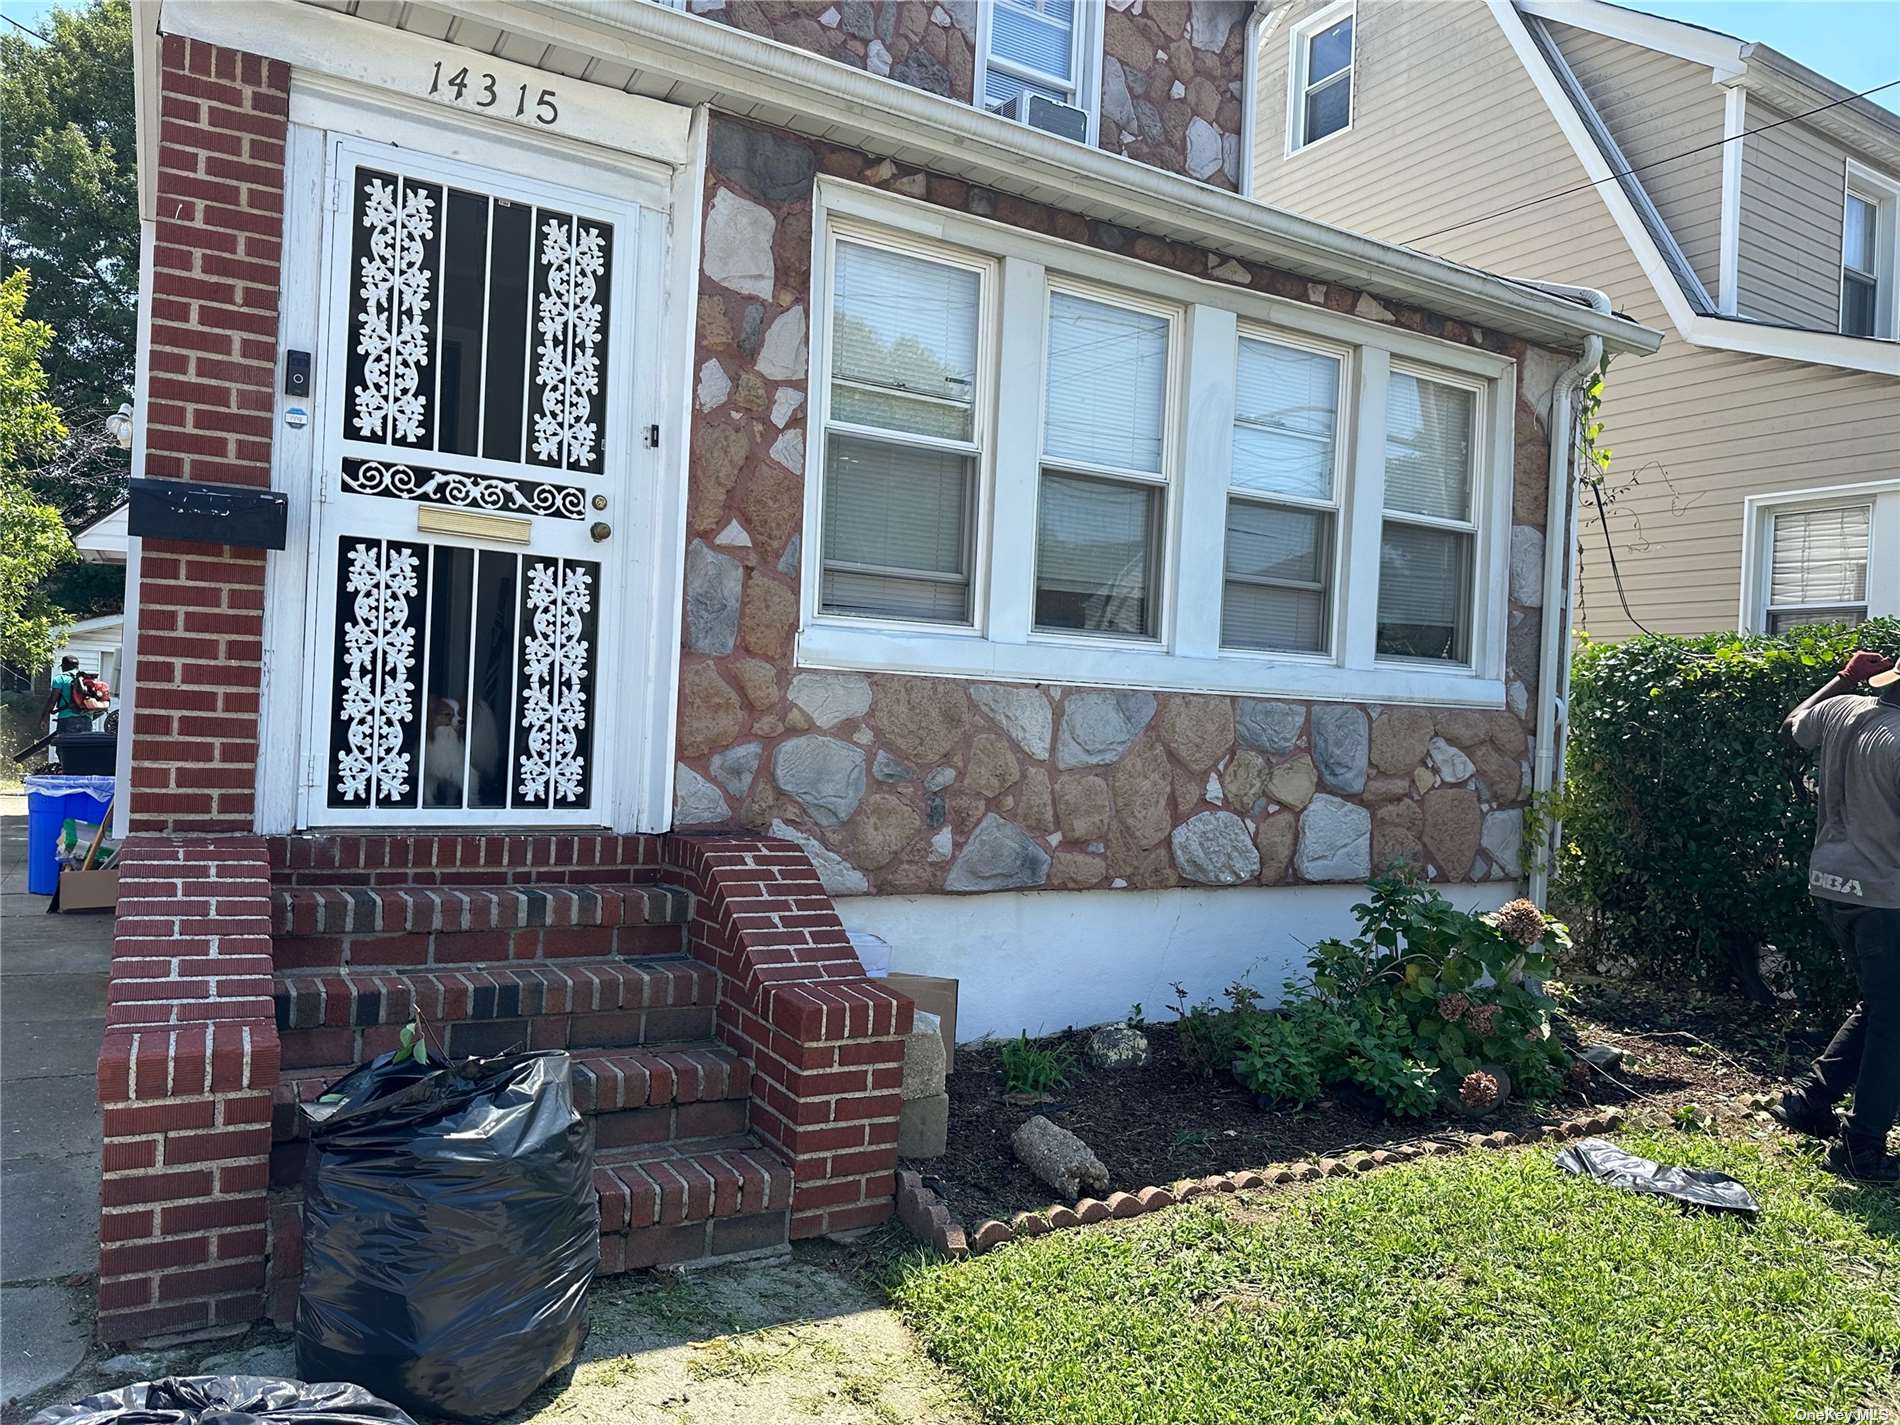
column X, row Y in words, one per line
column 378, row 696
column 392, row 328
column 554, row 661
column 567, row 367
column 455, row 487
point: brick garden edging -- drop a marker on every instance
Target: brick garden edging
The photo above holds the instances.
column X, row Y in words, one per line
column 932, row 1222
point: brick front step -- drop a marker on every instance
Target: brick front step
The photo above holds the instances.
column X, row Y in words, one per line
column 353, row 1015
column 326, row 927
column 684, row 1202
column 651, row 1095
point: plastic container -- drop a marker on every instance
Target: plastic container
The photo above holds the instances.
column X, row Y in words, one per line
column 874, row 952
column 87, row 754
column 50, row 802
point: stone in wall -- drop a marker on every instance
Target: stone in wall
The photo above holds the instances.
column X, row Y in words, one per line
column 928, row 44
column 907, row 784
column 1173, row 86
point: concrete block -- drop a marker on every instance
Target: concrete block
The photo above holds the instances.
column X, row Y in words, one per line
column 925, row 1063
column 923, row 1127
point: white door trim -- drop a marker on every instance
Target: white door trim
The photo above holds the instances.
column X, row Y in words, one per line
column 640, row 713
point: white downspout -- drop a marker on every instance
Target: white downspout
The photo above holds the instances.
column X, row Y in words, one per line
column 1560, row 562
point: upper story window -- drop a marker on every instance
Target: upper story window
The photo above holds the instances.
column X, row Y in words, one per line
column 1870, row 270
column 1042, row 463
column 904, row 435
column 1046, row 47
column 1319, row 77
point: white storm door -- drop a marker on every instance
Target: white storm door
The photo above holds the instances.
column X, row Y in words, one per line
column 485, row 393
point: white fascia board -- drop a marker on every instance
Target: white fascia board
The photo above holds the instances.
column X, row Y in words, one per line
column 1729, row 260
column 816, row 95
column 1722, row 53
column 145, row 86
column 1787, row 343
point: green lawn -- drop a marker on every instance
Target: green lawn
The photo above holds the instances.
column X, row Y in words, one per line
column 1489, row 1287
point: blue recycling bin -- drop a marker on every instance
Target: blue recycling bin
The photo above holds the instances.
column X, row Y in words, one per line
column 52, row 801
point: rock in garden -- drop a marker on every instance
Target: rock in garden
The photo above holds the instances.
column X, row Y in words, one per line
column 1116, row 1046
column 1602, row 1056
column 1058, row 1158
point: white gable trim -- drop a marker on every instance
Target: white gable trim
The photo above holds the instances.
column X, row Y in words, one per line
column 1721, row 53
column 1729, row 261
column 1821, row 348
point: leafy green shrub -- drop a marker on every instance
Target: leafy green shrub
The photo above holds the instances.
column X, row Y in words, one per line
column 1424, row 995
column 1031, row 1068
column 1687, row 821
column 1208, row 1036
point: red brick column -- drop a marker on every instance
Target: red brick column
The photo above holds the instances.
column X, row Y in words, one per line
column 826, row 1042
column 185, row 1079
column 208, row 416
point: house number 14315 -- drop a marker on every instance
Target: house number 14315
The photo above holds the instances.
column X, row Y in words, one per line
column 479, row 91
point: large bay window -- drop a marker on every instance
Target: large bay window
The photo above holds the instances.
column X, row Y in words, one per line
column 903, row 436
column 1036, row 462
column 1100, row 512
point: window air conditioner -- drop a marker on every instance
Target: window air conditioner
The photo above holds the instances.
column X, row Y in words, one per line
column 1040, row 112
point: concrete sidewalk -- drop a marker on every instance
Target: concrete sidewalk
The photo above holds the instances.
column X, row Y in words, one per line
column 53, row 971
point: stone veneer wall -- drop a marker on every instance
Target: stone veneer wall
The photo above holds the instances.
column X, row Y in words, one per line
column 1174, row 85
column 898, row 784
column 928, row 44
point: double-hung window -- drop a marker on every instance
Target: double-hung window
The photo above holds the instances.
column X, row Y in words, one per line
column 903, row 434
column 1817, row 567
column 1102, row 503
column 1038, row 46
column 1319, row 72
column 1428, row 541
column 1870, row 255
column 1283, row 500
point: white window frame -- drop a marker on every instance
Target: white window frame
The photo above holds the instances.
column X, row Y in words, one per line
column 1300, row 49
column 1088, row 62
column 1474, row 526
column 1883, row 537
column 981, row 447
column 1884, row 194
column 1165, row 481
column 1187, row 656
column 1339, row 506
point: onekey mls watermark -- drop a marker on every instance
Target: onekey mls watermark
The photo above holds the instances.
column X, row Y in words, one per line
column 1849, row 1415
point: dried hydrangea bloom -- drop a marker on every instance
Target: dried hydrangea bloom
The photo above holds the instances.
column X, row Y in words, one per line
column 1479, row 1091
column 1452, row 1007
column 1519, row 920
column 1481, row 1019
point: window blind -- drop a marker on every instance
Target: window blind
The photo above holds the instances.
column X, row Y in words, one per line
column 903, row 343
column 1424, row 592
column 1820, row 557
column 1036, row 34
column 894, row 517
column 1292, row 548
column 1106, row 384
column 1094, row 554
column 1429, row 430
column 1286, row 405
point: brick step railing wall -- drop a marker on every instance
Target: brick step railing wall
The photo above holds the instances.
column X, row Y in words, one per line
column 813, row 1048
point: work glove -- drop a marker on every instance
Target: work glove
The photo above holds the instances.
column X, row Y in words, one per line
column 1864, row 665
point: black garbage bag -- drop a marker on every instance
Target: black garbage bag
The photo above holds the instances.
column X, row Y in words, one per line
column 1698, row 1187
column 226, row 1400
column 450, row 1232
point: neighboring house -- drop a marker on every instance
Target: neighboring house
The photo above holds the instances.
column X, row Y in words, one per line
column 1756, row 459
column 727, row 470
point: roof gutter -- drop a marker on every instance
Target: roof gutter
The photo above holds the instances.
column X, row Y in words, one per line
column 814, row 95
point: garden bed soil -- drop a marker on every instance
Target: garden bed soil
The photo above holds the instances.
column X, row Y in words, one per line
column 1155, row 1124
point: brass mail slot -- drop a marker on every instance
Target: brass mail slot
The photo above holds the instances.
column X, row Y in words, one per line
column 509, row 529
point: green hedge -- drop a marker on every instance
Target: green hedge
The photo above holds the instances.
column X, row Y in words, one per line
column 1687, row 821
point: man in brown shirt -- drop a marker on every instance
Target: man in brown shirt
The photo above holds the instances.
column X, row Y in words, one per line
column 1854, row 877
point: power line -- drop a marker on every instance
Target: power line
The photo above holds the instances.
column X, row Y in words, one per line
column 1642, row 167
column 26, row 29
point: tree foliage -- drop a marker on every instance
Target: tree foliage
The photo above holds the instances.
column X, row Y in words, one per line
column 69, row 214
column 1688, row 821
column 33, row 541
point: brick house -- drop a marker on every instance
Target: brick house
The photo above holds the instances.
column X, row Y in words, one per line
column 749, row 474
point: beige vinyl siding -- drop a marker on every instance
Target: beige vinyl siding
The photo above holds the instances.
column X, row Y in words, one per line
column 1448, row 127
column 1788, row 263
column 1657, row 107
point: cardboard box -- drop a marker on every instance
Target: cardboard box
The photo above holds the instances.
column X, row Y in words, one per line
column 939, row 996
column 86, row 890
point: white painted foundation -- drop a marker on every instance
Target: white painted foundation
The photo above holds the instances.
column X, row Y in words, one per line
column 1045, row 960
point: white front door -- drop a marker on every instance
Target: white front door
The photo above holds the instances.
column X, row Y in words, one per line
column 485, row 473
